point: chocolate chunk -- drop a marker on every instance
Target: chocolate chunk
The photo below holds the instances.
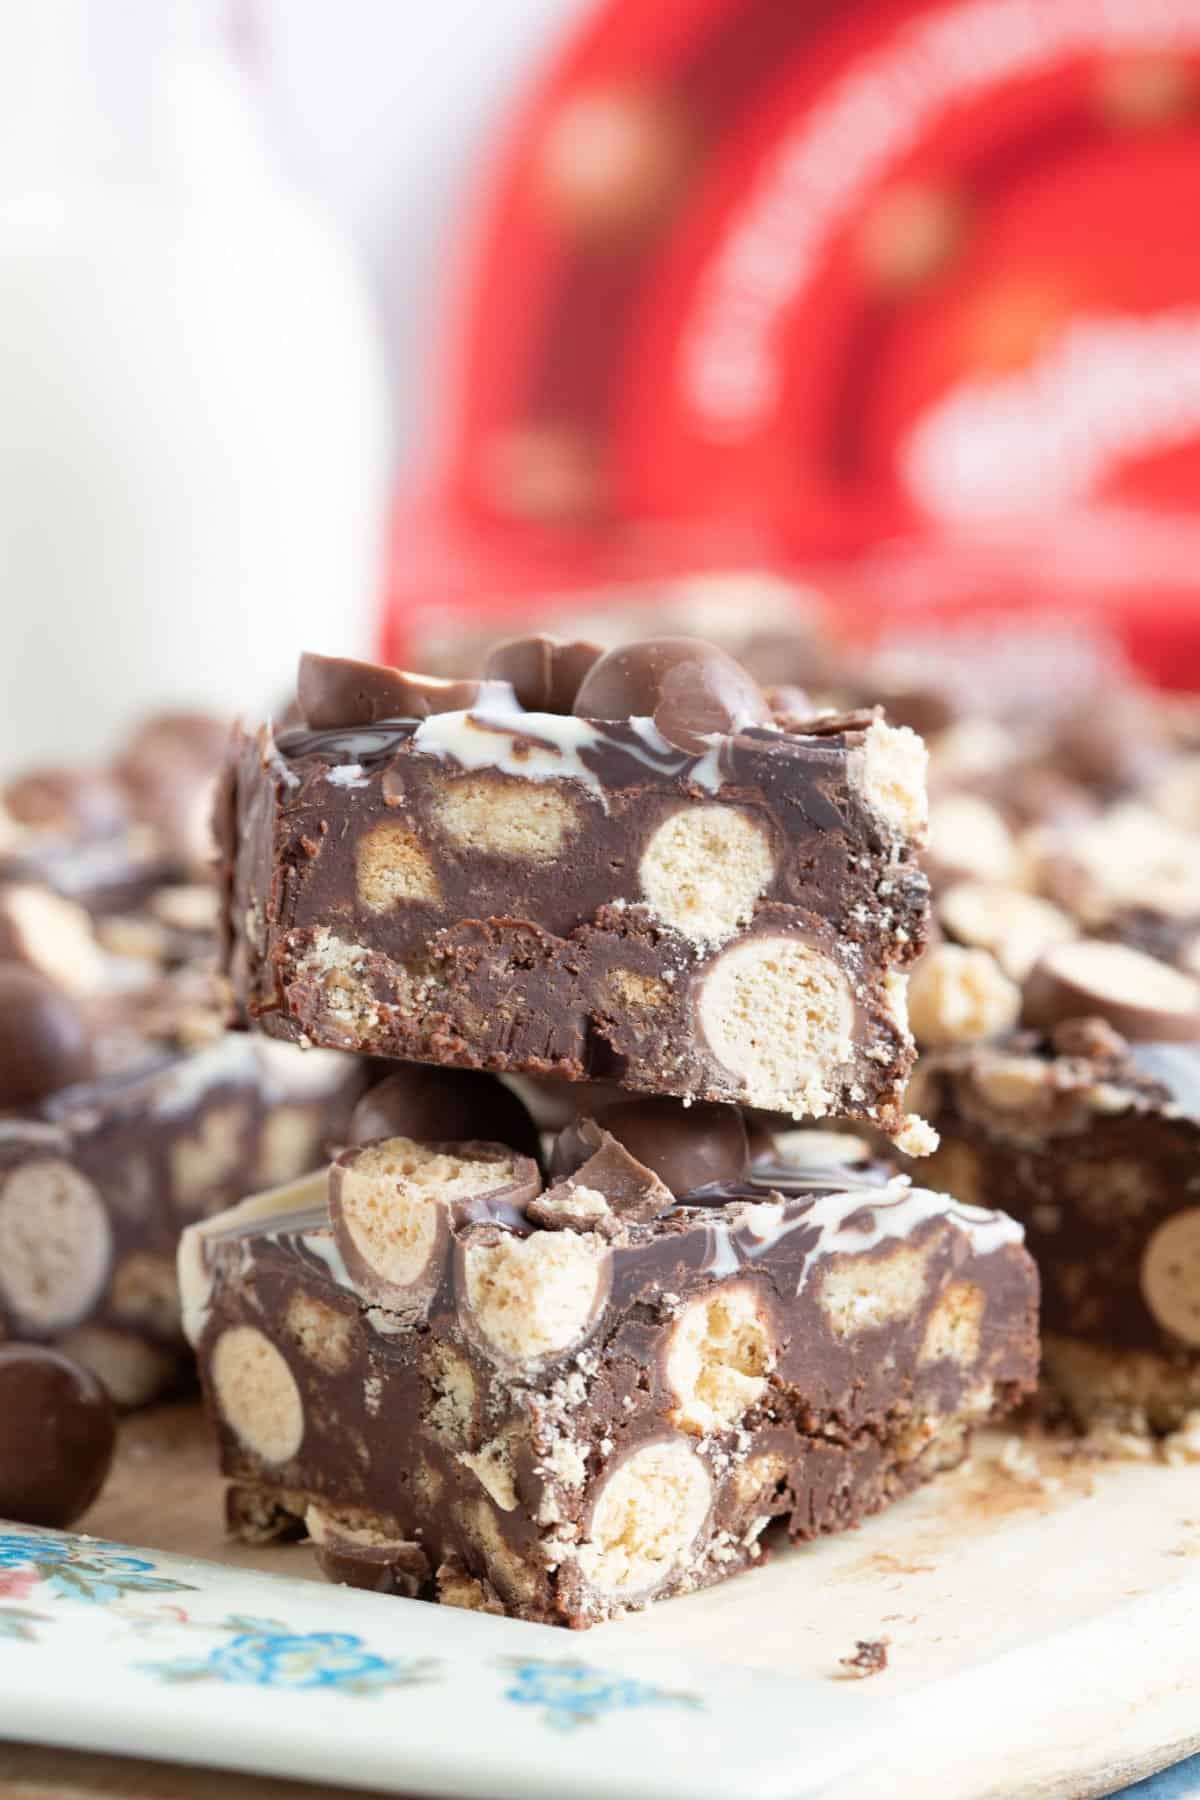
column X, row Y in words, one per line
column 870, row 1657
column 44, row 1041
column 687, row 1147
column 358, row 1560
column 545, row 673
column 689, row 688
column 57, row 1433
column 630, row 1189
column 1145, row 1000
column 335, row 691
column 443, row 1105
column 1092, row 1039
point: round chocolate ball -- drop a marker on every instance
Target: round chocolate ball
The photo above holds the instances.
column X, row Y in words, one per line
column 687, row 1147
column 57, row 1432
column 444, row 1106
column 44, row 1041
column 543, row 672
column 686, row 686
column 84, row 801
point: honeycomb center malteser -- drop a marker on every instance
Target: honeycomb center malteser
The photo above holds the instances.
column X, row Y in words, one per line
column 660, row 884
column 566, row 1404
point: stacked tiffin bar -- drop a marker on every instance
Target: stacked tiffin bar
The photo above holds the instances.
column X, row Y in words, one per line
column 561, row 1376
column 126, row 1109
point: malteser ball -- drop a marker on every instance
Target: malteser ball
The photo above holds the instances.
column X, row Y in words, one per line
column 1145, row 1000
column 689, row 688
column 444, row 1106
column 334, row 692
column 195, row 737
column 83, row 801
column 687, row 1147
column 57, row 1433
column 544, row 672
column 44, row 1041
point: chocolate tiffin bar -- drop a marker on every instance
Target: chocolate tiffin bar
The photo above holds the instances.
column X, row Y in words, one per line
column 565, row 1403
column 1093, row 1140
column 661, row 884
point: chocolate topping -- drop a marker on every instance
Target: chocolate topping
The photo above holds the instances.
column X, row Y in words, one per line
column 1145, row 1000
column 44, row 1041
column 57, row 1432
column 335, row 691
column 545, row 673
column 443, row 1105
column 687, row 1147
column 632, row 1190
column 689, row 688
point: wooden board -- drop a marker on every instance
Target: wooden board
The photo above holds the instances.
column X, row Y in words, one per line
column 1041, row 1608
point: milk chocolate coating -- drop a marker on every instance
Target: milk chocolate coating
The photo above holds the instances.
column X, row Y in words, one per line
column 57, row 1433
column 544, row 672
column 687, row 1147
column 689, row 688
column 444, row 1105
column 632, row 1190
column 1068, row 983
column 336, row 691
column 44, row 1041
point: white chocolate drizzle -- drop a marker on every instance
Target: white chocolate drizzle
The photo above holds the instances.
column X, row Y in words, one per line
column 896, row 1210
column 532, row 746
column 556, row 746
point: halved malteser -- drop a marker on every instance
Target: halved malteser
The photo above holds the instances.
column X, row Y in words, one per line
column 393, row 1204
column 52, row 935
column 778, row 1015
column 527, row 1301
column 1145, row 1000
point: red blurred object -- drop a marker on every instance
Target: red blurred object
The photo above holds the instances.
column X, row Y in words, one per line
column 792, row 283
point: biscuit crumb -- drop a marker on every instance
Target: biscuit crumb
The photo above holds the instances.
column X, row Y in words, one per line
column 870, row 1658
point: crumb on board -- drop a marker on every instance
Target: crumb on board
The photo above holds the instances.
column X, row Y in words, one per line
column 870, row 1658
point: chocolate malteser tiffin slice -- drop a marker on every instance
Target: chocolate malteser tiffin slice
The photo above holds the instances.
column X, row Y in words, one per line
column 1094, row 1144
column 665, row 889
column 595, row 1406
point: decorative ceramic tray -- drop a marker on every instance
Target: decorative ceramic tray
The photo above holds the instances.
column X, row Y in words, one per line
column 1041, row 1614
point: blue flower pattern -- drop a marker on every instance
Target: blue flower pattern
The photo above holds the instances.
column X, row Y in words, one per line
column 571, row 1694
column 269, row 1655
column 77, row 1569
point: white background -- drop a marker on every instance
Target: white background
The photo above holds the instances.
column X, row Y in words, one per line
column 384, row 109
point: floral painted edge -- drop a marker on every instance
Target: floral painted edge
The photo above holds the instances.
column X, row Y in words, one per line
column 54, row 1569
